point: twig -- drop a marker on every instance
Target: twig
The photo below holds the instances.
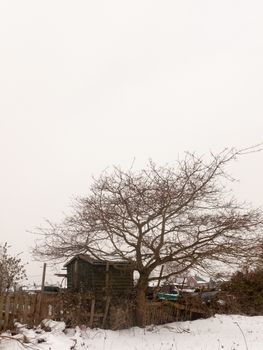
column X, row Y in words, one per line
column 242, row 334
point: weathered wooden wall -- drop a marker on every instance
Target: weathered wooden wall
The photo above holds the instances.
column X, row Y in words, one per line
column 98, row 278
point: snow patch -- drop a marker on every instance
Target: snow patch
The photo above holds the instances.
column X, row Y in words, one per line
column 228, row 332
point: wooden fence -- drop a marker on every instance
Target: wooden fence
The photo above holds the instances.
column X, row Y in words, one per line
column 84, row 309
column 31, row 309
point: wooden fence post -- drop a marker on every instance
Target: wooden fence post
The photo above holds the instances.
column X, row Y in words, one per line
column 106, row 311
column 92, row 310
column 43, row 277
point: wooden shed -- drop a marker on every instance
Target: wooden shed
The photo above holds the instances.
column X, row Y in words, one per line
column 87, row 274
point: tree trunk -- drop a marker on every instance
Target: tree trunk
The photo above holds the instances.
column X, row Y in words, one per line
column 141, row 302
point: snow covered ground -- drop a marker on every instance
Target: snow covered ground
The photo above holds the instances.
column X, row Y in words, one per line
column 217, row 333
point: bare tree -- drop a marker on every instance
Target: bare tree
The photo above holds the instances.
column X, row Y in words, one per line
column 12, row 270
column 181, row 215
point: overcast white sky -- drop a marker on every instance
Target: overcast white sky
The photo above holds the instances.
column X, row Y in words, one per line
column 88, row 84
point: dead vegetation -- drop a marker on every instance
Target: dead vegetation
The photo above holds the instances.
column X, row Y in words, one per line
column 243, row 294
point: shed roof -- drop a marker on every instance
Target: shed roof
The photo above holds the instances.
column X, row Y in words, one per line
column 93, row 261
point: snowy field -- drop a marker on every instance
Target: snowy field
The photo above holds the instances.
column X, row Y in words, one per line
column 218, row 333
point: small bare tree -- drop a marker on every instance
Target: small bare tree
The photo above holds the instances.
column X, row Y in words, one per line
column 181, row 215
column 12, row 270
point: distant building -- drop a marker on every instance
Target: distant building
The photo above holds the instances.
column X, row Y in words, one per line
column 192, row 282
column 197, row 282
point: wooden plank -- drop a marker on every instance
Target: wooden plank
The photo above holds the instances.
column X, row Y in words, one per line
column 31, row 309
column 37, row 317
column 20, row 308
column 106, row 312
column 92, row 310
column 31, row 305
column 75, row 274
column 11, row 307
column 26, row 308
column 107, row 278
column 1, row 311
column 7, row 309
column 15, row 305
